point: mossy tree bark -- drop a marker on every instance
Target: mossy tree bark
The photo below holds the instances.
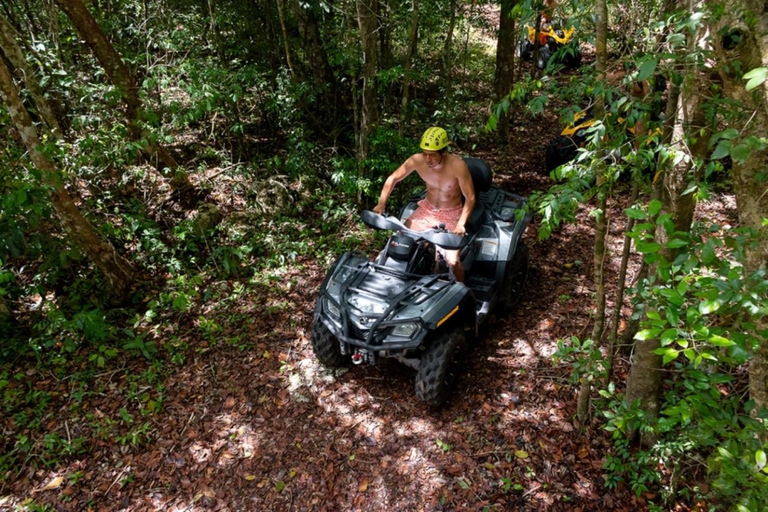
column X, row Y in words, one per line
column 505, row 59
column 117, row 270
column 692, row 129
column 740, row 48
column 14, row 54
column 413, row 41
column 120, row 75
column 369, row 113
column 601, row 221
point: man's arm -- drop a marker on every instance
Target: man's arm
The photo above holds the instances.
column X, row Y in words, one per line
column 399, row 175
column 468, row 191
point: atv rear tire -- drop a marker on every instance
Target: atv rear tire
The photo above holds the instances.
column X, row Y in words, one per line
column 544, row 55
column 439, row 366
column 514, row 279
column 560, row 150
column 326, row 346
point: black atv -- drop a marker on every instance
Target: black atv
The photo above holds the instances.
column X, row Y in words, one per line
column 407, row 305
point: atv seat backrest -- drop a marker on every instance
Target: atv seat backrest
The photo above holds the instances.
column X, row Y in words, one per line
column 481, row 174
column 481, row 180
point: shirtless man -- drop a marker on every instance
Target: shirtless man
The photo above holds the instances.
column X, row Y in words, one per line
column 447, row 179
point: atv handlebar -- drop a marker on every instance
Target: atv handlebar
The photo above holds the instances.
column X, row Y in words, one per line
column 439, row 237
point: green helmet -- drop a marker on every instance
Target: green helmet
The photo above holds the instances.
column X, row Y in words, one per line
column 434, row 139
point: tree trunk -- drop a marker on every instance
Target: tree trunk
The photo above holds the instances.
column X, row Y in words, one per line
column 692, row 130
column 601, row 224
column 10, row 47
column 751, row 49
column 505, row 61
column 385, row 34
column 121, row 77
column 448, row 48
column 284, row 30
column 366, row 20
column 413, row 40
column 620, row 288
column 118, row 272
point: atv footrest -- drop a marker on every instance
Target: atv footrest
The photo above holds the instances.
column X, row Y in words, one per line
column 482, row 287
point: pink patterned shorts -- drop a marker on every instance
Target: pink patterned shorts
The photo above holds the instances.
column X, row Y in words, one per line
column 427, row 216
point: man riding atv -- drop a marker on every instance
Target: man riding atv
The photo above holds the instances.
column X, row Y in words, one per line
column 447, row 179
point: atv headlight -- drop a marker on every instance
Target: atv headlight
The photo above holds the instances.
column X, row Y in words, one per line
column 331, row 308
column 366, row 305
column 405, row 330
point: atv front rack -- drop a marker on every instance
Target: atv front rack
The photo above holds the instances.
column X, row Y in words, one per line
column 382, row 323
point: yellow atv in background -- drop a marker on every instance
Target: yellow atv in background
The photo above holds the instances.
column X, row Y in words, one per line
column 563, row 148
column 552, row 37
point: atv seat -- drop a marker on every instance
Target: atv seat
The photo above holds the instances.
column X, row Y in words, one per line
column 481, row 181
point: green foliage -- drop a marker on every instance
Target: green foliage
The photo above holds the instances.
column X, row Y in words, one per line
column 701, row 307
column 584, row 357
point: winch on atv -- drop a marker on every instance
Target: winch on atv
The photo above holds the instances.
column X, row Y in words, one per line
column 405, row 306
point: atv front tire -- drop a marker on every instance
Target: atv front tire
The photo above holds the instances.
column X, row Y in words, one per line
column 514, row 279
column 439, row 366
column 326, row 346
column 561, row 150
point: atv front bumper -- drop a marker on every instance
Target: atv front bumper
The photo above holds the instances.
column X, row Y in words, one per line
column 385, row 311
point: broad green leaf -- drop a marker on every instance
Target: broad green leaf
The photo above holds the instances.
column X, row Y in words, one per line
column 647, row 334
column 279, row 485
column 676, row 243
column 760, row 459
column 654, row 207
column 722, row 150
column 648, row 248
column 634, row 213
column 669, row 354
column 719, row 341
column 668, row 336
column 709, row 306
column 730, row 133
column 724, row 453
column 646, row 69
column 741, row 153
column 756, row 77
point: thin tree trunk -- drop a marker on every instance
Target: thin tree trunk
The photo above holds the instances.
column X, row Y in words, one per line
column 601, row 223
column 536, row 47
column 284, row 30
column 598, row 257
column 10, row 47
column 121, row 77
column 366, row 20
column 447, row 48
column 413, row 40
column 612, row 335
column 505, row 60
column 116, row 269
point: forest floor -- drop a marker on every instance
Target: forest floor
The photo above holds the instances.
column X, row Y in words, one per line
column 263, row 426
